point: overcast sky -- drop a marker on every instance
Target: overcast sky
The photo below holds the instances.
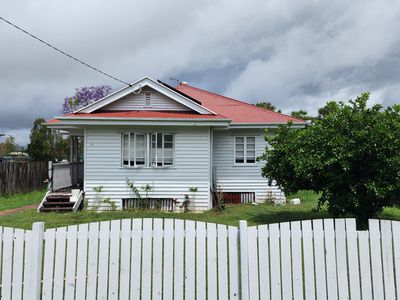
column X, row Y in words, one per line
column 296, row 54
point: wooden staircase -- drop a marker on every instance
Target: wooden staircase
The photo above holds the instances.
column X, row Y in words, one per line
column 58, row 202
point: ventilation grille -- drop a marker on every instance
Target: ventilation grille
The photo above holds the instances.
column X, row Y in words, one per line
column 147, row 99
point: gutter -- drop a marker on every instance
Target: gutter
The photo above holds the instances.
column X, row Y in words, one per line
column 266, row 125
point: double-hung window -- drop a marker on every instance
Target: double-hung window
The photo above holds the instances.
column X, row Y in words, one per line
column 245, row 149
column 162, row 149
column 134, row 149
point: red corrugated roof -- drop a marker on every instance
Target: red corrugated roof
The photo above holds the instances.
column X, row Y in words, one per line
column 235, row 110
column 52, row 121
column 238, row 112
column 145, row 114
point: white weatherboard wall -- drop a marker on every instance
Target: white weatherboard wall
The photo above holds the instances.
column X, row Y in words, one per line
column 233, row 177
column 191, row 169
column 136, row 102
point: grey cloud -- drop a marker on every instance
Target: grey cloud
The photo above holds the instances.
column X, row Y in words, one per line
column 297, row 54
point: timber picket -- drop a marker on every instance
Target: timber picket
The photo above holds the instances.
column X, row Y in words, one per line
column 201, row 260
column 157, row 259
column 212, row 261
column 81, row 264
column 7, row 263
column 48, row 268
column 168, row 259
column 222, row 262
column 341, row 257
column 308, row 260
column 286, row 261
column 263, row 250
column 70, row 271
column 353, row 258
column 124, row 273
column 233, row 263
column 376, row 259
column 177, row 259
column 297, row 261
column 190, row 254
column 253, row 263
column 275, row 262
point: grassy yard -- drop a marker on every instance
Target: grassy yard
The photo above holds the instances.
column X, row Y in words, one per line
column 18, row 200
column 260, row 214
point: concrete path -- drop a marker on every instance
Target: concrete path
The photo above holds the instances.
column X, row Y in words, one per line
column 18, row 209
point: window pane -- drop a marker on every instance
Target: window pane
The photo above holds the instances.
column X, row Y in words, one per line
column 168, row 141
column 153, row 156
column 251, row 146
column 251, row 140
column 239, row 153
column 251, row 156
column 132, row 150
column 140, row 149
column 239, row 147
column 250, row 160
column 168, row 138
column 251, row 153
column 125, row 149
column 168, row 156
column 159, row 140
column 159, row 157
column 239, row 160
column 239, row 140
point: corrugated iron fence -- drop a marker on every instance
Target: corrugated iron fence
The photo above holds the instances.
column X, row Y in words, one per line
column 22, row 177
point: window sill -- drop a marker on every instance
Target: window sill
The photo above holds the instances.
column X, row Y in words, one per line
column 145, row 167
column 245, row 165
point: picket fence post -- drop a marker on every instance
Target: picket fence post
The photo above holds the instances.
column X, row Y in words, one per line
column 37, row 255
column 244, row 259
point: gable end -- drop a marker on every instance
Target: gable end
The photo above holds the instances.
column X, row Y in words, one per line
column 147, row 99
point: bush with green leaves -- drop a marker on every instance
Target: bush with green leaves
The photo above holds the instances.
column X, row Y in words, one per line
column 350, row 154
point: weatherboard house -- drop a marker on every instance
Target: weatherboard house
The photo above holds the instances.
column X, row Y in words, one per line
column 176, row 140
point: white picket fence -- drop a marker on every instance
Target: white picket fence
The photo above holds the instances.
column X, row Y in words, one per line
column 177, row 259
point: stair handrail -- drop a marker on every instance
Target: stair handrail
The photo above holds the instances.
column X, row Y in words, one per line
column 78, row 202
column 39, row 209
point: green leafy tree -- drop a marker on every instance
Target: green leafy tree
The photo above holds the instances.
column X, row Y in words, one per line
column 330, row 107
column 41, row 142
column 8, row 146
column 351, row 156
column 61, row 147
column 267, row 105
column 301, row 114
column 46, row 145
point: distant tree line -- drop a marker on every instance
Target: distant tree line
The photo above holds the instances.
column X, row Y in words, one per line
column 300, row 114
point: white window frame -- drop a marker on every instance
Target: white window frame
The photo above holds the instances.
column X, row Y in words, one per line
column 244, row 163
column 149, row 94
column 147, row 149
column 135, row 165
column 163, row 134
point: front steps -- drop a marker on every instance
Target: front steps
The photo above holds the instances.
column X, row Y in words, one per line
column 58, row 202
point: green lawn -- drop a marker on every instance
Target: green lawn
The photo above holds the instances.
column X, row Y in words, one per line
column 18, row 200
column 260, row 214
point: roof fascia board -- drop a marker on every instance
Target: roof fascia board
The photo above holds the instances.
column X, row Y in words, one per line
column 270, row 125
column 121, row 121
column 146, row 81
column 194, row 123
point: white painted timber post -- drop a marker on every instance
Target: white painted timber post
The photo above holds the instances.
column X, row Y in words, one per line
column 50, row 176
column 37, row 256
column 244, row 260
